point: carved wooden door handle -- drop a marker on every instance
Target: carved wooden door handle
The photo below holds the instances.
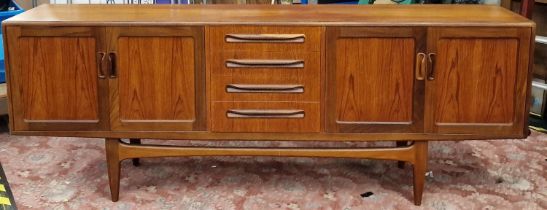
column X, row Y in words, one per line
column 101, row 56
column 112, row 61
column 431, row 57
column 421, row 65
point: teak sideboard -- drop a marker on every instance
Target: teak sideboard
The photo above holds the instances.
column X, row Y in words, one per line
column 408, row 74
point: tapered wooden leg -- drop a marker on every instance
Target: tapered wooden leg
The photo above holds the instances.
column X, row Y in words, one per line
column 401, row 164
column 420, row 166
column 113, row 164
column 135, row 161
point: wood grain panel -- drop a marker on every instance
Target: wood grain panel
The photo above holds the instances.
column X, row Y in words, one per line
column 217, row 37
column 476, row 80
column 156, row 78
column 59, row 79
column 52, row 79
column 308, row 76
column 221, row 123
column 229, row 15
column 160, row 81
column 370, row 79
column 481, row 80
column 245, row 136
column 374, row 80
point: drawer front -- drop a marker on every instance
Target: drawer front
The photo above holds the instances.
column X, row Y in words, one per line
column 247, row 76
column 271, row 63
column 265, row 117
column 265, row 38
column 263, row 88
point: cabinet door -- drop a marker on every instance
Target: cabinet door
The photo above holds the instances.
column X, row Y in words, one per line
column 478, row 80
column 157, row 78
column 53, row 78
column 371, row 83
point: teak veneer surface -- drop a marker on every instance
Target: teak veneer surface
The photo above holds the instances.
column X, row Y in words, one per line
column 46, row 57
column 325, row 15
column 378, row 87
column 312, row 38
column 308, row 76
column 159, row 89
column 270, row 72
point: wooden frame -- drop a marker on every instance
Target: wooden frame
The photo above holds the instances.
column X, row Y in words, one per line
column 117, row 151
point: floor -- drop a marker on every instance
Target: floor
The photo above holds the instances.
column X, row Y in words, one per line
column 70, row 173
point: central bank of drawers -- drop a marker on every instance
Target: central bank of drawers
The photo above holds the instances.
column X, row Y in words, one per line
column 265, row 79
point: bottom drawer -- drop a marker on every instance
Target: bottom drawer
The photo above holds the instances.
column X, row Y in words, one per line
column 265, row 117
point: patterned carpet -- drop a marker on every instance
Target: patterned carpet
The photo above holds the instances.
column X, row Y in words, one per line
column 70, row 173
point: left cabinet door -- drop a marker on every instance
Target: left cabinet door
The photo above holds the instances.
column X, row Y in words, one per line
column 53, row 76
column 157, row 78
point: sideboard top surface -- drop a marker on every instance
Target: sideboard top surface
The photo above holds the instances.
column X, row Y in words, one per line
column 324, row 15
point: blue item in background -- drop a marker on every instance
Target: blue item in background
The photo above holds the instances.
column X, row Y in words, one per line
column 5, row 15
column 10, row 13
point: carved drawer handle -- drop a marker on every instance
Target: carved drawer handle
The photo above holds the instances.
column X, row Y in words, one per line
column 263, row 63
column 238, row 88
column 250, row 38
column 264, row 113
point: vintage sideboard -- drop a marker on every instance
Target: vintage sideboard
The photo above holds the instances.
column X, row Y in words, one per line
column 407, row 74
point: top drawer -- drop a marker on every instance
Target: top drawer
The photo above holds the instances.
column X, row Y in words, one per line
column 264, row 38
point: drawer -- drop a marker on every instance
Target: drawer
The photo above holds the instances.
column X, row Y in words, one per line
column 262, row 87
column 264, row 38
column 265, row 117
column 257, row 80
column 271, row 63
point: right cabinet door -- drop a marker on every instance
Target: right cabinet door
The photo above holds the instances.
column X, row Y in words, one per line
column 477, row 80
column 372, row 82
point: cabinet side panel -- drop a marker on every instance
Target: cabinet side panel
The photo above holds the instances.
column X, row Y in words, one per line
column 476, row 80
column 58, row 78
column 374, row 79
column 156, row 80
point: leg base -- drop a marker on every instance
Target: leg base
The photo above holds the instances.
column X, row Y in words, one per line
column 136, row 161
column 419, row 169
column 113, row 164
column 415, row 153
column 401, row 164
